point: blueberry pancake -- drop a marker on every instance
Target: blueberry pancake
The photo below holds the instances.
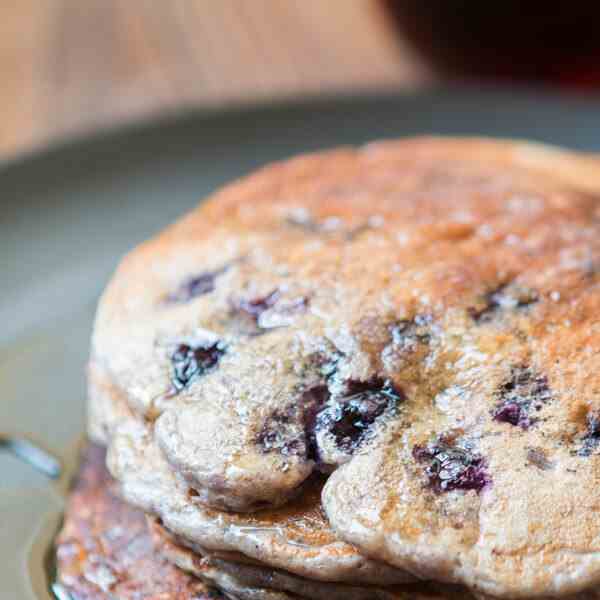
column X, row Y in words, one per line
column 105, row 550
column 204, row 568
column 419, row 321
column 264, row 583
column 295, row 537
column 256, row 317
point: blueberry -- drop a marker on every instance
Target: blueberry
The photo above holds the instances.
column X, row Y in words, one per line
column 257, row 315
column 349, row 419
column 503, row 297
column 591, row 439
column 517, row 396
column 191, row 361
column 290, row 431
column 512, row 413
column 255, row 307
column 452, row 466
column 198, row 285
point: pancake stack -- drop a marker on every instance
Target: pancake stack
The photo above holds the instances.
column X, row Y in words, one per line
column 365, row 374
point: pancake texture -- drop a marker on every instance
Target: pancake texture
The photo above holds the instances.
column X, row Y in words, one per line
column 105, row 551
column 262, row 580
column 296, row 537
column 278, row 585
column 401, row 341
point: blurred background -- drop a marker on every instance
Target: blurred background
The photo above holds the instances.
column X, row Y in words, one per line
column 75, row 66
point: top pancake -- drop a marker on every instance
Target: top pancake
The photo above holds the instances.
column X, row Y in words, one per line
column 423, row 314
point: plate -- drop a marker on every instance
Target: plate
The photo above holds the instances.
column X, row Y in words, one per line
column 68, row 214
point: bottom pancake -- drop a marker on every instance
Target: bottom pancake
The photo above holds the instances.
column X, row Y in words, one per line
column 206, row 568
column 105, row 551
column 295, row 537
column 260, row 582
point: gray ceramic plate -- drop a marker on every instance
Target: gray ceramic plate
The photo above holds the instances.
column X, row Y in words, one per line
column 66, row 216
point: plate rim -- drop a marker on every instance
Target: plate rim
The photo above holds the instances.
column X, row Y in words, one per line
column 156, row 120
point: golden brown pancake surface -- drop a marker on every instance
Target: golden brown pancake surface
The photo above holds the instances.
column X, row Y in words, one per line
column 420, row 319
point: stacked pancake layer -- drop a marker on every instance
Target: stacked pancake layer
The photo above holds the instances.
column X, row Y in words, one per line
column 361, row 369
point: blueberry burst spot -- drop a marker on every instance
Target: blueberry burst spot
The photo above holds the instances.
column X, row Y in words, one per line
column 198, row 285
column 327, row 363
column 452, row 466
column 591, row 439
column 523, row 392
column 282, row 433
column 504, row 297
column 190, row 361
column 290, row 430
column 256, row 307
column 352, row 415
column 267, row 312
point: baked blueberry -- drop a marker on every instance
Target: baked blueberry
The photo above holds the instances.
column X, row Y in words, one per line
column 452, row 466
column 193, row 360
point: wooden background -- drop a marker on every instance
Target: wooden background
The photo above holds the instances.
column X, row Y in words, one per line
column 71, row 66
